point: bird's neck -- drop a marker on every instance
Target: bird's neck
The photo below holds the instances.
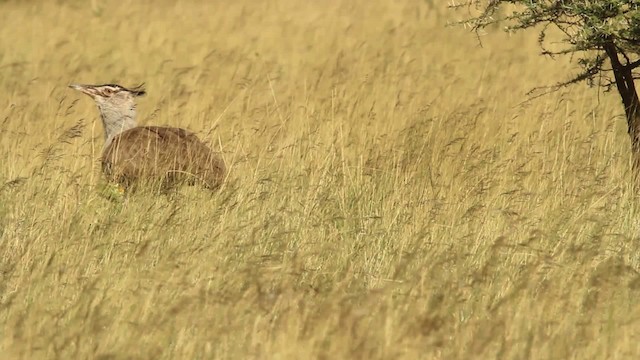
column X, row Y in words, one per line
column 115, row 121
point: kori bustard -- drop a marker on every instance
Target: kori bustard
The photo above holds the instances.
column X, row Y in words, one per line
column 161, row 155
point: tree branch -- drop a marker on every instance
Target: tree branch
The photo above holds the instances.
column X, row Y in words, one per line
column 632, row 65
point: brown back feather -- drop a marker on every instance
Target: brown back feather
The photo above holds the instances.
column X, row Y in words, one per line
column 161, row 154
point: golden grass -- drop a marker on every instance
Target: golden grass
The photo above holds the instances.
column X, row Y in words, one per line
column 390, row 194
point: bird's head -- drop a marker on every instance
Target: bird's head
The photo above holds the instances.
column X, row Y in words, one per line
column 117, row 106
column 110, row 95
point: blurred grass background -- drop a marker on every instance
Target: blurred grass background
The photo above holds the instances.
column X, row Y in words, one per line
column 392, row 193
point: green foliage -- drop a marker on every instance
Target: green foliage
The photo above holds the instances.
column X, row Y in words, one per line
column 585, row 27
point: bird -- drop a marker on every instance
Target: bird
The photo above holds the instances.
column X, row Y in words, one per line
column 134, row 154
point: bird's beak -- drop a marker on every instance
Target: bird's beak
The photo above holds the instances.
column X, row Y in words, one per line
column 86, row 89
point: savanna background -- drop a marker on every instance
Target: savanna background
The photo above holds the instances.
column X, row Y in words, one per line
column 393, row 190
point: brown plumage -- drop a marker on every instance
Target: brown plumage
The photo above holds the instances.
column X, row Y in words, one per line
column 161, row 155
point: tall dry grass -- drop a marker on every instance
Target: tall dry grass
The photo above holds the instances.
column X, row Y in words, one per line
column 391, row 193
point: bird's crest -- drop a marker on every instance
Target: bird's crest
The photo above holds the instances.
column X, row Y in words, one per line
column 108, row 90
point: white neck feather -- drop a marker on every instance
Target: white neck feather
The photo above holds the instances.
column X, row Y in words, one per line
column 116, row 119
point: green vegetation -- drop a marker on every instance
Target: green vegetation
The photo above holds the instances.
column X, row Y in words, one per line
column 604, row 35
column 391, row 193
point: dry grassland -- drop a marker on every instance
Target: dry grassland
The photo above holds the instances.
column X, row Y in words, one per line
column 391, row 193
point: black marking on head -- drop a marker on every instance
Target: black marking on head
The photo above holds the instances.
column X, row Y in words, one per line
column 138, row 90
column 135, row 91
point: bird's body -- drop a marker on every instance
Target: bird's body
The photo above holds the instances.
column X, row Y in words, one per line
column 135, row 154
